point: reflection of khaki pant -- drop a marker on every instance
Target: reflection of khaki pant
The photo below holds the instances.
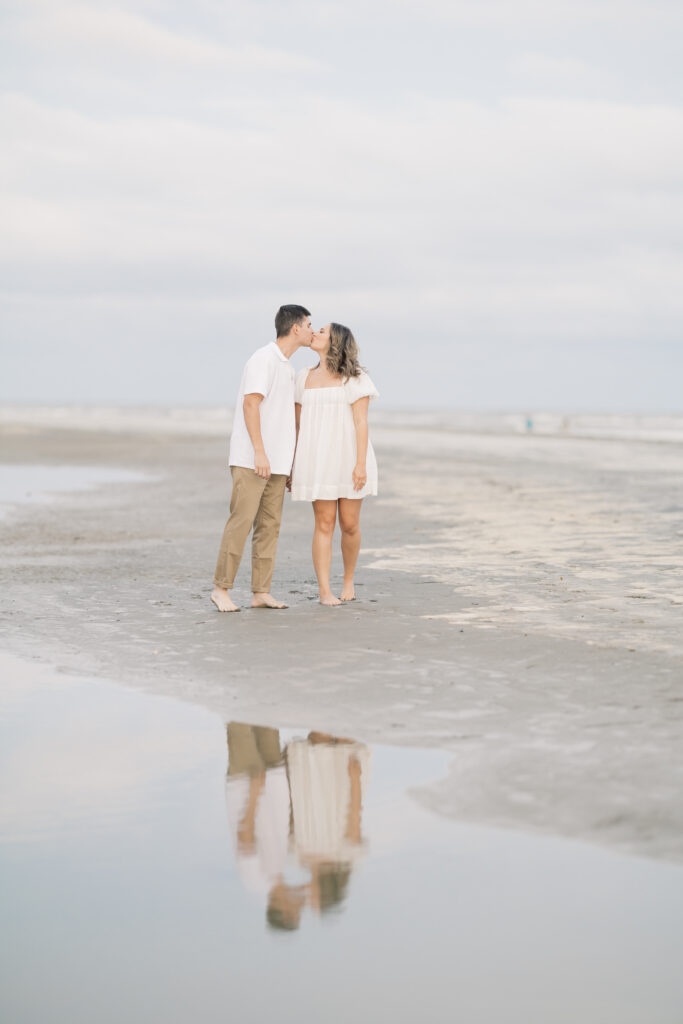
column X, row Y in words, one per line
column 255, row 502
column 252, row 748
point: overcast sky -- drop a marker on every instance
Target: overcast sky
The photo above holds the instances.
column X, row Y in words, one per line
column 488, row 192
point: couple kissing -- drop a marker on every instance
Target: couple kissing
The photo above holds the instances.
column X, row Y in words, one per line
column 307, row 433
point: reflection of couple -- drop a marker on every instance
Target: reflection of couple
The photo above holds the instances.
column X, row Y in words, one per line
column 295, row 815
column 322, row 415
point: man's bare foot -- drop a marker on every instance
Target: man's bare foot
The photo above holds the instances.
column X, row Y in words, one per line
column 221, row 598
column 266, row 601
column 348, row 593
column 329, row 599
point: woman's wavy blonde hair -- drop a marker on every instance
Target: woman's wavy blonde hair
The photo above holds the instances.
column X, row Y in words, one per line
column 342, row 355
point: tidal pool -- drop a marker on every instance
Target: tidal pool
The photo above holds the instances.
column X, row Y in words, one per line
column 160, row 864
column 29, row 484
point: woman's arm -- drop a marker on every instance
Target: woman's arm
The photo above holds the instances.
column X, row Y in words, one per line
column 360, row 422
column 353, row 826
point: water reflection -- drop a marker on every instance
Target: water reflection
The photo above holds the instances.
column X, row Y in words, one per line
column 295, row 814
column 119, row 893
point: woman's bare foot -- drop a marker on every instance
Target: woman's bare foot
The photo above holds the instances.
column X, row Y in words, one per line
column 348, row 593
column 221, row 598
column 266, row 601
column 329, row 599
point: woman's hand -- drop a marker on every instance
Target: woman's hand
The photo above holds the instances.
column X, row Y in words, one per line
column 359, row 477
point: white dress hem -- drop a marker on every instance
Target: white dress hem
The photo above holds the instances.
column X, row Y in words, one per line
column 331, row 493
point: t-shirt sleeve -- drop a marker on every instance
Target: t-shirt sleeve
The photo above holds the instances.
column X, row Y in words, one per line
column 360, row 387
column 299, row 385
column 258, row 374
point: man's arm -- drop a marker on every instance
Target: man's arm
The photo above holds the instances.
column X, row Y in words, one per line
column 246, row 827
column 252, row 419
column 297, row 421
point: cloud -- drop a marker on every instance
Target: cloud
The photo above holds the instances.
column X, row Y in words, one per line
column 499, row 179
column 116, row 33
column 494, row 13
column 567, row 73
column 546, row 206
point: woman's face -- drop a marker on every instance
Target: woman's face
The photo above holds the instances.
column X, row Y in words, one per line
column 321, row 340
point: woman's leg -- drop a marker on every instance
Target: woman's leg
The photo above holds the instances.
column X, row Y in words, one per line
column 349, row 521
column 325, row 513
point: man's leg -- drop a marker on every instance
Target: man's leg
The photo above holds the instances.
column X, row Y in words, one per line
column 264, row 541
column 244, row 757
column 268, row 743
column 247, row 490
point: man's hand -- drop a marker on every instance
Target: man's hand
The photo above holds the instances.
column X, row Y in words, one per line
column 261, row 465
column 252, row 420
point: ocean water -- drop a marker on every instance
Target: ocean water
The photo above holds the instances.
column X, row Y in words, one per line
column 159, row 863
column 218, row 420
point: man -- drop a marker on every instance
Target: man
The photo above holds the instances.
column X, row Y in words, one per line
column 261, row 455
column 258, row 807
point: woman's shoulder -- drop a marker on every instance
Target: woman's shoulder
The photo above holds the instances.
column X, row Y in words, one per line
column 362, row 378
column 361, row 386
column 300, row 384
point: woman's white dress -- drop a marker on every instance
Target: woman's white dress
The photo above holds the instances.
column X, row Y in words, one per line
column 326, row 449
column 320, row 789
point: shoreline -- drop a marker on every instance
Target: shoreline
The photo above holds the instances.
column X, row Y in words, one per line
column 550, row 734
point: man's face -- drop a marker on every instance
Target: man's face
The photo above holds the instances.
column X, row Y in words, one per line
column 305, row 331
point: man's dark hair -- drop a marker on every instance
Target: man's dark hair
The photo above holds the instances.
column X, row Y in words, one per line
column 282, row 920
column 287, row 316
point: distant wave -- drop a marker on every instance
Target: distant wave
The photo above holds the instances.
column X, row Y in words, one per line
column 217, row 421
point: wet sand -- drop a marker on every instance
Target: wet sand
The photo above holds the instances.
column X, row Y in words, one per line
column 519, row 606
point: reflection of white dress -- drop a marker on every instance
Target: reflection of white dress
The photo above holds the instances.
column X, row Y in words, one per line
column 326, row 449
column 320, row 790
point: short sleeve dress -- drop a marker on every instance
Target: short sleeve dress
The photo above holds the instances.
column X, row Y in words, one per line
column 326, row 450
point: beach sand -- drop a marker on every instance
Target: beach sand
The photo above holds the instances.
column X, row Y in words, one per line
column 520, row 605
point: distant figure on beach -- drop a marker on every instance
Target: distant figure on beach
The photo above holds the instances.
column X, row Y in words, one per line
column 261, row 453
column 293, row 809
column 335, row 465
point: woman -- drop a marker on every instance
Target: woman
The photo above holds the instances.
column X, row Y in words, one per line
column 334, row 465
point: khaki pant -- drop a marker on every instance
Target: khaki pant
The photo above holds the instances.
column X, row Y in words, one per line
column 252, row 748
column 255, row 502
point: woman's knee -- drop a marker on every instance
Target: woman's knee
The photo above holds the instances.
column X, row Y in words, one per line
column 325, row 524
column 349, row 527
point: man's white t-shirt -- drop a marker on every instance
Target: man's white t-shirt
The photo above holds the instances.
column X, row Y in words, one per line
column 269, row 373
column 261, row 867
